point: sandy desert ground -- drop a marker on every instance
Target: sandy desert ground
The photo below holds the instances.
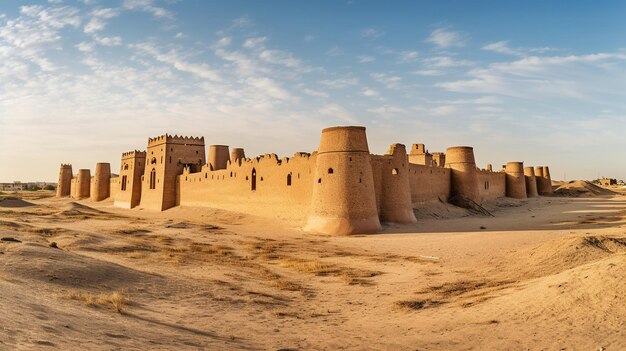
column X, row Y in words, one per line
column 540, row 274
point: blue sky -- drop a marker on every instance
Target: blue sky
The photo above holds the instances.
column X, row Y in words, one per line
column 542, row 82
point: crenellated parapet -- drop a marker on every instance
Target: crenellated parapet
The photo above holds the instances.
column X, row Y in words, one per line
column 175, row 139
column 133, row 154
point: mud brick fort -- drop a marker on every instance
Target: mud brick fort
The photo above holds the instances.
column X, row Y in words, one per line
column 339, row 189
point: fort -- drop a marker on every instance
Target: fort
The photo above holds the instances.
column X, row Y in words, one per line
column 339, row 189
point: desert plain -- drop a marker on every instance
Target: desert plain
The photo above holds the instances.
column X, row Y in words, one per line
column 542, row 273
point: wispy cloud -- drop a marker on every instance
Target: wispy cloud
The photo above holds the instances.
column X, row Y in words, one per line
column 371, row 33
column 366, row 59
column 147, row 6
column 445, row 38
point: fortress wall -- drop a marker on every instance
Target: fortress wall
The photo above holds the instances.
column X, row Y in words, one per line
column 166, row 157
column 491, row 185
column 429, row 183
column 461, row 161
column 101, row 182
column 543, row 188
column 128, row 188
column 392, row 187
column 531, row 182
column 237, row 154
column 344, row 199
column 515, row 180
column 82, row 184
column 218, row 156
column 64, row 186
column 73, row 187
column 548, row 180
column 114, row 185
column 264, row 185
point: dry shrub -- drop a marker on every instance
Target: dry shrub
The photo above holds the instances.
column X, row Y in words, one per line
column 116, row 300
column 309, row 266
column 418, row 304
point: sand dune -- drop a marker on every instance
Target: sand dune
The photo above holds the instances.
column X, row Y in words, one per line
column 577, row 188
column 543, row 273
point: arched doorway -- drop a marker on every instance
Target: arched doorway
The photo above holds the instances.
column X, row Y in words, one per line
column 253, row 182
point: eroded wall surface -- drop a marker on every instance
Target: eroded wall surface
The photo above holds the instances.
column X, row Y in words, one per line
column 491, row 185
column 263, row 184
column 429, row 183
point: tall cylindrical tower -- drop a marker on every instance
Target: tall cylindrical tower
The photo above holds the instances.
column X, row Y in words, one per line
column 83, row 184
column 237, row 154
column 218, row 156
column 65, row 181
column 396, row 205
column 541, row 181
column 460, row 159
column 101, row 182
column 515, row 180
column 548, row 179
column 344, row 199
column 531, row 182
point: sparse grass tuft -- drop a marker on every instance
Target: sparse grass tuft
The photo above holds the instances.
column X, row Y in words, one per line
column 116, row 300
column 418, row 304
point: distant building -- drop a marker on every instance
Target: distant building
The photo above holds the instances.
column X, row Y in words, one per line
column 17, row 185
column 608, row 181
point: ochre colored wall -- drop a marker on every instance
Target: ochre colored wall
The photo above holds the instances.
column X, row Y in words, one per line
column 114, row 184
column 429, row 183
column 543, row 186
column 515, row 180
column 343, row 200
column 531, row 182
column 274, row 194
column 548, row 179
column 218, row 157
column 491, row 185
column 392, row 186
column 64, row 186
column 101, row 182
column 132, row 167
column 460, row 159
column 82, row 184
column 168, row 155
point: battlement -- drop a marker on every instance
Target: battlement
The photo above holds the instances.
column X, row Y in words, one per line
column 166, row 138
column 64, row 165
column 396, row 148
column 417, row 149
column 134, row 154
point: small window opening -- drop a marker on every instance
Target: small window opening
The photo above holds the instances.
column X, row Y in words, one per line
column 288, row 179
column 330, row 171
column 394, row 171
column 153, row 179
column 319, row 180
column 253, row 182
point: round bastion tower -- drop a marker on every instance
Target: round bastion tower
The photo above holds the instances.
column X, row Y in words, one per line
column 101, row 183
column 548, row 179
column 65, row 181
column 344, row 199
column 515, row 180
column 531, row 182
column 541, row 181
column 83, row 184
column 218, row 157
column 460, row 159
column 237, row 154
column 396, row 205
